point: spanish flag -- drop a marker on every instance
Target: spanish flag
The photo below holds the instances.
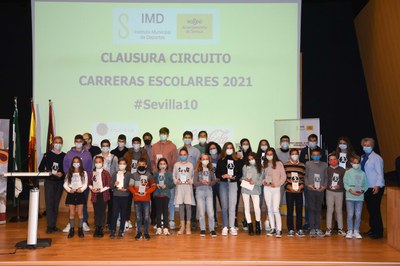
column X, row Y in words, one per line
column 50, row 129
column 32, row 141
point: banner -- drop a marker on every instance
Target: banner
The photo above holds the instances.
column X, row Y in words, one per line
column 298, row 131
column 4, row 146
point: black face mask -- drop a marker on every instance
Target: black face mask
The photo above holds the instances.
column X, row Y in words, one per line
column 147, row 141
column 141, row 169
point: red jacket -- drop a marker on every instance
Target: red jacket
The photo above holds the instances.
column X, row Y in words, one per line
column 150, row 187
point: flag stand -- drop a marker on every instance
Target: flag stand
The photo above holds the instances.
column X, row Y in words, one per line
column 18, row 217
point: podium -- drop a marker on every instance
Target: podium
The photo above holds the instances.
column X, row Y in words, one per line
column 32, row 241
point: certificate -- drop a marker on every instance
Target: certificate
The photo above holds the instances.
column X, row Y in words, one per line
column 245, row 184
column 317, row 181
column 120, row 180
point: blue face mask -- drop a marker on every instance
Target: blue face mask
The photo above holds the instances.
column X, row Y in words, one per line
column 183, row 158
column 367, row 149
column 316, row 157
column 163, row 137
column 342, row 146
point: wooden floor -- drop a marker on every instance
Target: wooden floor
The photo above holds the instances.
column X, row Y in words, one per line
column 192, row 249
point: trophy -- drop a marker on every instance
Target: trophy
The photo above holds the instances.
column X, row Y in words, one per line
column 335, row 180
column 295, row 181
column 161, row 179
column 317, row 181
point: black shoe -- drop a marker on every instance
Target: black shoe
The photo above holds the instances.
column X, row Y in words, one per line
column 101, row 232
column 236, row 223
column 258, row 227
column 49, row 230
column 369, row 233
column 194, row 225
column 112, row 235
column 96, row 232
column 120, row 234
column 138, row 236
column 376, row 236
column 80, row 232
column 251, row 229
column 56, row 229
column 146, row 236
column 245, row 225
column 71, row 232
column 202, row 232
column 213, row 234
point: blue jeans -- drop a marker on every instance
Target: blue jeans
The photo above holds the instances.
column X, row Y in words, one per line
column 204, row 200
column 142, row 209
column 228, row 197
column 171, row 205
column 354, row 207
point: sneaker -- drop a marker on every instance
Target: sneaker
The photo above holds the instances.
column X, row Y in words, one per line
column 349, row 234
column 155, row 226
column 86, row 227
column 166, row 232
column 120, row 234
column 357, row 234
column 328, row 232
column 244, row 225
column 306, row 227
column 202, row 232
column 172, row 225
column 313, row 233
column 138, row 236
column 233, row 231
column 112, row 235
column 66, row 229
column 320, row 233
column 146, row 236
column 130, row 224
column 126, row 227
column 341, row 232
column 224, row 231
column 291, row 233
column 278, row 233
column 49, row 230
column 271, row 232
column 159, row 231
column 300, row 233
column 267, row 226
column 213, row 234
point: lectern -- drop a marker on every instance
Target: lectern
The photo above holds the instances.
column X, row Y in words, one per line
column 32, row 241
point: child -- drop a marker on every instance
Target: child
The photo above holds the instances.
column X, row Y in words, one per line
column 162, row 195
column 274, row 177
column 294, row 187
column 75, row 184
column 316, row 180
column 252, row 175
column 183, row 178
column 334, row 194
column 204, row 179
column 355, row 184
column 119, row 185
column 99, row 184
column 141, row 186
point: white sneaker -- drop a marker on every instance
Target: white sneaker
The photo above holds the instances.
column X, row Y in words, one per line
column 172, row 225
column 233, row 231
column 357, row 235
column 166, row 232
column 224, row 231
column 126, row 227
column 86, row 227
column 66, row 229
column 349, row 234
column 130, row 224
column 267, row 226
column 159, row 231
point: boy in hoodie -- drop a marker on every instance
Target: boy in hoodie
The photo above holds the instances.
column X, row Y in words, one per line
column 141, row 186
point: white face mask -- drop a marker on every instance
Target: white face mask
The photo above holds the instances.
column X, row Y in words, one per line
column 76, row 165
column 264, row 147
column 105, row 149
column 205, row 162
column 295, row 157
column 269, row 157
column 122, row 167
column 136, row 146
column 285, row 145
column 252, row 162
column 245, row 147
column 202, row 140
column 355, row 165
column 121, row 144
column 229, row 151
column 78, row 145
column 58, row 146
column 98, row 165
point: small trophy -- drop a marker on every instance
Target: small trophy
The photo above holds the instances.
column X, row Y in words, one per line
column 295, row 181
column 182, row 174
column 205, row 175
column 335, row 180
column 161, row 179
column 317, row 181
column 230, row 167
column 357, row 186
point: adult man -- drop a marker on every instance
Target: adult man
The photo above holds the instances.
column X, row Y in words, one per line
column 88, row 139
column 202, row 136
column 121, row 149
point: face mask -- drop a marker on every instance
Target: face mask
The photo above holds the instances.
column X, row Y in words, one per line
column 105, row 149
column 295, row 157
column 334, row 163
column 58, row 146
column 122, row 167
column 205, row 162
column 78, row 145
column 98, row 165
column 312, row 144
column 355, row 165
column 121, row 144
column 269, row 157
column 183, row 158
column 316, row 157
column 367, row 149
column 252, row 162
column 76, row 165
column 163, row 167
column 342, row 146
column 245, row 147
column 213, row 152
column 264, row 147
column 187, row 141
column 285, row 145
column 229, row 152
column 163, row 137
column 147, row 141
column 202, row 140
column 136, row 146
column 141, row 169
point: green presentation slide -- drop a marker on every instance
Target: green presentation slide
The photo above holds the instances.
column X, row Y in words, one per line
column 231, row 68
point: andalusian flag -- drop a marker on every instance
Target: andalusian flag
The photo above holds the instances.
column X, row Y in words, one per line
column 16, row 152
column 32, row 141
column 50, row 129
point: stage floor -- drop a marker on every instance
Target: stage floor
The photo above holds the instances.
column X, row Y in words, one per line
column 192, row 249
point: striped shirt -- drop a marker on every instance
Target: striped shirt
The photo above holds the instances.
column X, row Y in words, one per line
column 298, row 168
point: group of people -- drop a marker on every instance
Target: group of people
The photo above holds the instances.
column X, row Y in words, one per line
column 159, row 177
